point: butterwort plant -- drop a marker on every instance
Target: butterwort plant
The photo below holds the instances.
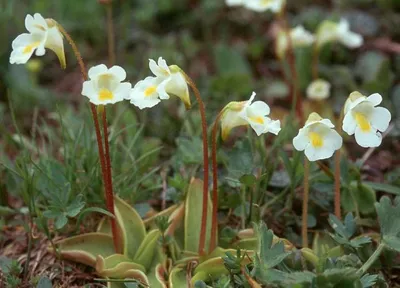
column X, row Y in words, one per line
column 172, row 80
column 319, row 141
column 235, row 114
column 103, row 87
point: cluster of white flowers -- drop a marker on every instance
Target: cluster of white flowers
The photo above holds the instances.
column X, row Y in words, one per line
column 317, row 138
column 361, row 118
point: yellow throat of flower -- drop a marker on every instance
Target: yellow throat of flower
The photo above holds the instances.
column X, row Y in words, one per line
column 257, row 119
column 362, row 122
column 30, row 47
column 149, row 91
column 316, row 140
column 105, row 95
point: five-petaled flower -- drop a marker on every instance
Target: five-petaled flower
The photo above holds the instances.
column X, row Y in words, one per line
column 317, row 138
column 330, row 31
column 318, row 90
column 299, row 36
column 42, row 34
column 247, row 113
column 104, row 86
column 364, row 119
column 168, row 80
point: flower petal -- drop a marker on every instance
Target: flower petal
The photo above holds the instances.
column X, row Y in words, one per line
column 177, row 86
column 97, row 70
column 380, row 118
column 349, row 124
column 274, row 126
column 161, row 69
column 229, row 120
column 260, row 108
column 333, row 140
column 119, row 72
column 370, row 139
column 301, row 141
column 375, row 99
column 55, row 43
column 161, row 89
column 315, row 154
column 123, row 90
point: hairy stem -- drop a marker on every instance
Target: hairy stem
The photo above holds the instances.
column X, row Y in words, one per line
column 364, row 268
column 109, row 191
column 214, row 222
column 108, row 195
column 304, row 230
column 294, row 98
column 338, row 213
column 203, row 228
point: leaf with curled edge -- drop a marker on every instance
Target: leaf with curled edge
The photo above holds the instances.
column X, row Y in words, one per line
column 193, row 215
column 147, row 249
column 131, row 275
column 131, row 227
column 178, row 278
column 85, row 248
column 115, row 266
column 213, row 268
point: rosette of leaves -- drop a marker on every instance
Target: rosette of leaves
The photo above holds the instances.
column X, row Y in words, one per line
column 138, row 248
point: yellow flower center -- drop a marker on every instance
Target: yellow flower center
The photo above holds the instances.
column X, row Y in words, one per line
column 149, row 91
column 105, row 94
column 316, row 139
column 30, row 47
column 362, row 122
column 257, row 119
column 265, row 2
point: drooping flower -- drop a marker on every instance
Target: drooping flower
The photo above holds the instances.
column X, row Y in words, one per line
column 300, row 37
column 248, row 113
column 317, row 138
column 330, row 31
column 42, row 34
column 104, row 85
column 274, row 6
column 318, row 89
column 168, row 80
column 365, row 120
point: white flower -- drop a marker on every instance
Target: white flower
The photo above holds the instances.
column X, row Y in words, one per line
column 42, row 34
column 234, row 2
column 365, row 120
column 146, row 93
column 247, row 113
column 300, row 37
column 104, row 86
column 263, row 5
column 317, row 138
column 318, row 89
column 168, row 80
column 330, row 32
